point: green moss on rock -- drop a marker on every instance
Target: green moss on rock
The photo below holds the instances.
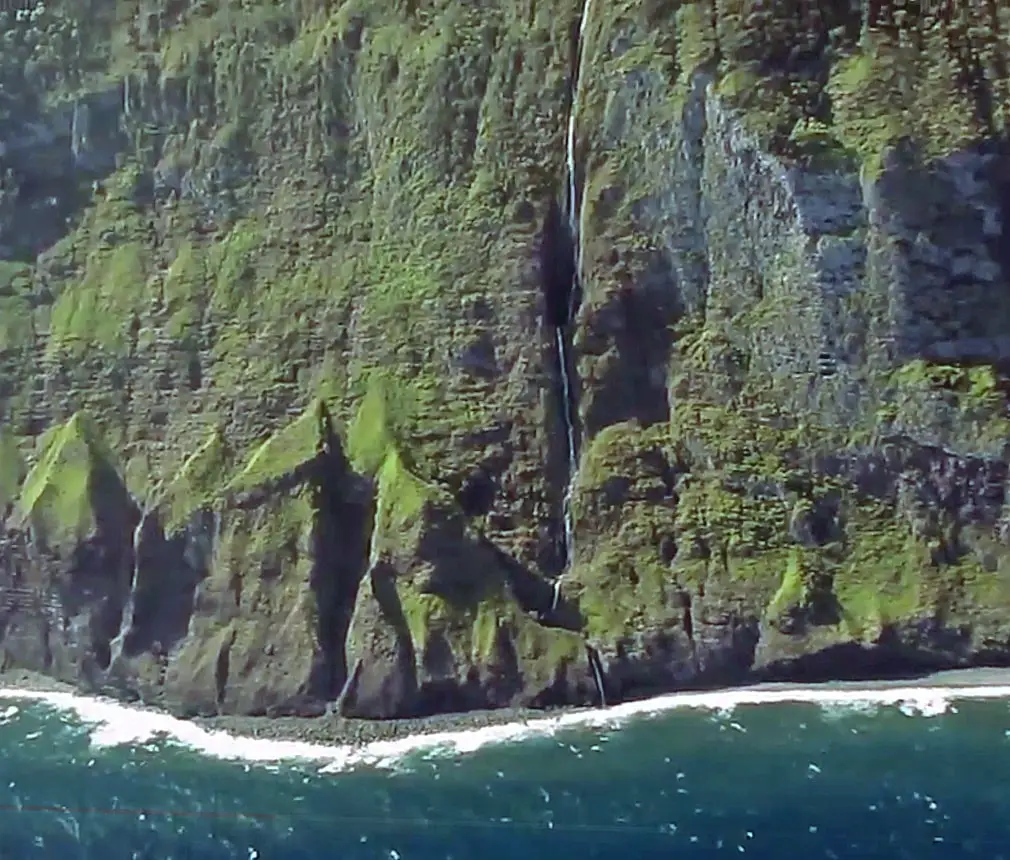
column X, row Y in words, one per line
column 97, row 311
column 12, row 468
column 624, row 517
column 401, row 499
column 282, row 453
column 60, row 493
column 370, row 435
column 198, row 482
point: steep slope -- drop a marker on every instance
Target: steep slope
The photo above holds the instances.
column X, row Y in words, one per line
column 417, row 355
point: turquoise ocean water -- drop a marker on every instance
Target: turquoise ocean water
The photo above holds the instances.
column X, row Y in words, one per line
column 911, row 773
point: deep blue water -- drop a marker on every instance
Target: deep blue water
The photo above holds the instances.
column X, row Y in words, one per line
column 797, row 780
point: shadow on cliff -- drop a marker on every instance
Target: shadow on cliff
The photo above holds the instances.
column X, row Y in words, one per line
column 168, row 597
column 341, row 539
column 51, row 175
column 96, row 580
column 894, row 656
column 169, row 570
column 558, row 278
column 631, row 324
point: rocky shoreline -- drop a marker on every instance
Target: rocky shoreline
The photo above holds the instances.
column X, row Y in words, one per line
column 332, row 730
column 328, row 730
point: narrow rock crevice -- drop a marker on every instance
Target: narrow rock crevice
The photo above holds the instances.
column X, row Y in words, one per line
column 222, row 669
column 341, row 546
column 687, row 617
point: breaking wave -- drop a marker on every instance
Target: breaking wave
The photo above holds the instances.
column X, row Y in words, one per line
column 114, row 724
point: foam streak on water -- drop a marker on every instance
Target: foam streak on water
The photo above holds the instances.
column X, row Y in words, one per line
column 867, row 773
column 115, row 724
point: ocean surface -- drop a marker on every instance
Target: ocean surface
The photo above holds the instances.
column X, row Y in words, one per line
column 808, row 773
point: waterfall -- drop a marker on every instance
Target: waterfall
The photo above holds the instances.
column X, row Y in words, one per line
column 564, row 364
column 593, row 658
column 126, row 621
column 568, row 416
column 574, row 205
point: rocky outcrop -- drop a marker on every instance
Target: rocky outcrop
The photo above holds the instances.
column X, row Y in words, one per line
column 283, row 293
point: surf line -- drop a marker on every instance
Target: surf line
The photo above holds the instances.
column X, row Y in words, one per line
column 561, row 342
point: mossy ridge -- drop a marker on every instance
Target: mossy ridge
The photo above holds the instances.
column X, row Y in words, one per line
column 410, row 404
column 58, row 494
column 198, row 482
column 401, row 499
column 374, row 448
column 793, row 588
column 210, row 475
column 281, row 454
column 370, row 434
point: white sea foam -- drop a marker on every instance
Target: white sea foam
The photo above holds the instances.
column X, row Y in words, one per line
column 115, row 724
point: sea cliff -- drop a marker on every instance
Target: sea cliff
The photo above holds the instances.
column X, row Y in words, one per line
column 414, row 356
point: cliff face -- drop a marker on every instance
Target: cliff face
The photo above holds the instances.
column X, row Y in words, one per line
column 309, row 308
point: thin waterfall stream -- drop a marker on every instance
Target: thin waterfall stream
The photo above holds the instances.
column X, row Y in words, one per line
column 562, row 334
column 126, row 620
column 568, row 409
